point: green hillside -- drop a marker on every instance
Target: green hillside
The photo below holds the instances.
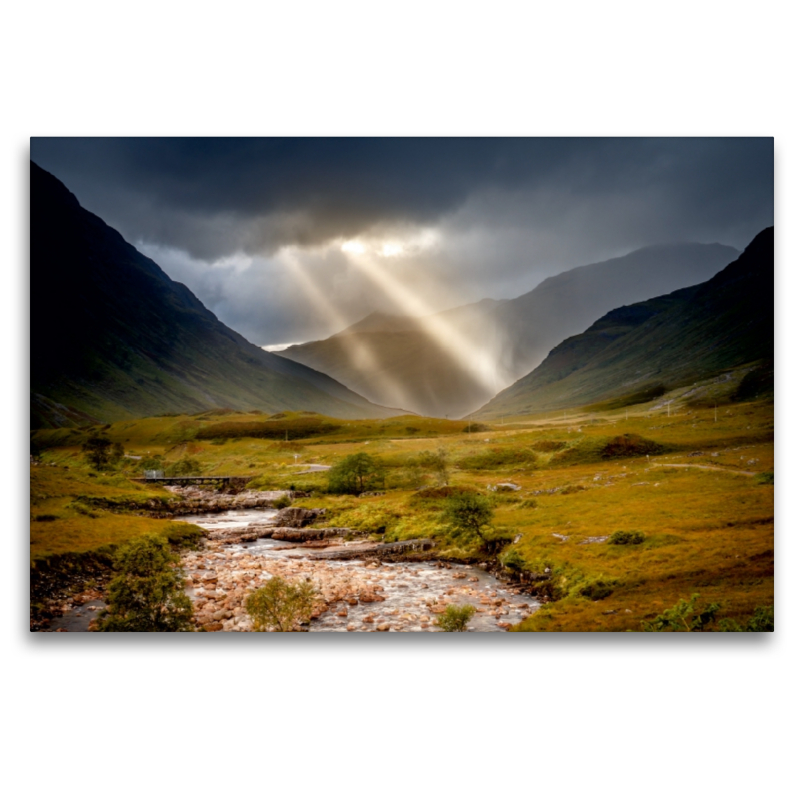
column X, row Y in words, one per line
column 637, row 352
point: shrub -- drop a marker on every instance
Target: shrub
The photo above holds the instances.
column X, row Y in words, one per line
column 356, row 473
column 152, row 462
column 512, row 560
column 475, row 427
column 681, row 617
column 284, row 501
column 626, row 537
column 280, row 605
column 763, row 619
column 630, row 444
column 45, row 517
column 437, row 462
column 455, row 618
column 147, row 593
column 596, row 590
column 183, row 534
column 766, row 477
column 531, row 502
column 469, row 513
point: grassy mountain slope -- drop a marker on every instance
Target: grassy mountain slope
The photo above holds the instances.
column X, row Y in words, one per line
column 113, row 337
column 662, row 343
column 566, row 304
column 404, row 361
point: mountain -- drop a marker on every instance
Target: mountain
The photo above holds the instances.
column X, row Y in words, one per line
column 639, row 351
column 427, row 364
column 113, row 337
column 565, row 304
column 453, row 362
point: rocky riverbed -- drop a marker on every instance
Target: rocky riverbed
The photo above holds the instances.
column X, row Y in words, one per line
column 362, row 585
column 361, row 594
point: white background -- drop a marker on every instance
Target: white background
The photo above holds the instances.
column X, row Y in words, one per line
column 572, row 716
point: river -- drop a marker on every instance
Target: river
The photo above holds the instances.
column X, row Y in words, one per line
column 411, row 593
column 360, row 595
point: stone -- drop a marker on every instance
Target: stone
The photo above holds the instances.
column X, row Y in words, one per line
column 383, row 626
column 211, row 627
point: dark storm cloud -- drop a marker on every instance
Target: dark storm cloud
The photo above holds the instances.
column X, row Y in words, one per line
column 173, row 190
column 507, row 212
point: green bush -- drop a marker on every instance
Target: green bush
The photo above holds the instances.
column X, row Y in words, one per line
column 455, row 618
column 356, row 473
column 183, row 535
column 763, row 619
column 682, row 617
column 147, row 593
column 284, row 501
column 468, row 513
column 152, row 462
column 280, row 605
column 513, row 560
column 626, row 537
column 766, row 477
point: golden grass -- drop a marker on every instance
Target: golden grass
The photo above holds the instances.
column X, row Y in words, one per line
column 707, row 530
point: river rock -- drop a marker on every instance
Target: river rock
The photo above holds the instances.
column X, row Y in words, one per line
column 297, row 517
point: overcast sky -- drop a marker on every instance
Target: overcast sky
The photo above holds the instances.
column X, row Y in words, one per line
column 288, row 240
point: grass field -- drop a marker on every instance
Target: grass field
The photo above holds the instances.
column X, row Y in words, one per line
column 698, row 490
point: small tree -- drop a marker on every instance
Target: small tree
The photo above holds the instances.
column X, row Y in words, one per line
column 279, row 605
column 355, row 474
column 469, row 512
column 147, row 593
column 98, row 451
column 455, row 618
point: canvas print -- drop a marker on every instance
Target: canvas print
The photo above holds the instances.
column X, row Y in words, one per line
column 401, row 385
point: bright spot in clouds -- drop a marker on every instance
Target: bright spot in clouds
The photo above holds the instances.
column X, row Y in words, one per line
column 354, row 247
column 391, row 249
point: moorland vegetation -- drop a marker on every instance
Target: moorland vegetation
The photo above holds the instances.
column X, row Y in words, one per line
column 613, row 517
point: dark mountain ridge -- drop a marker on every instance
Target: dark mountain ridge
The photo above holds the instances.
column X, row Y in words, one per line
column 113, row 337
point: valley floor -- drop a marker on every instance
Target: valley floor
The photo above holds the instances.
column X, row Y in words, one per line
column 698, row 493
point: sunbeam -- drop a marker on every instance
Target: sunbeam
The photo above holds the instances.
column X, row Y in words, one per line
column 360, row 353
column 477, row 358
